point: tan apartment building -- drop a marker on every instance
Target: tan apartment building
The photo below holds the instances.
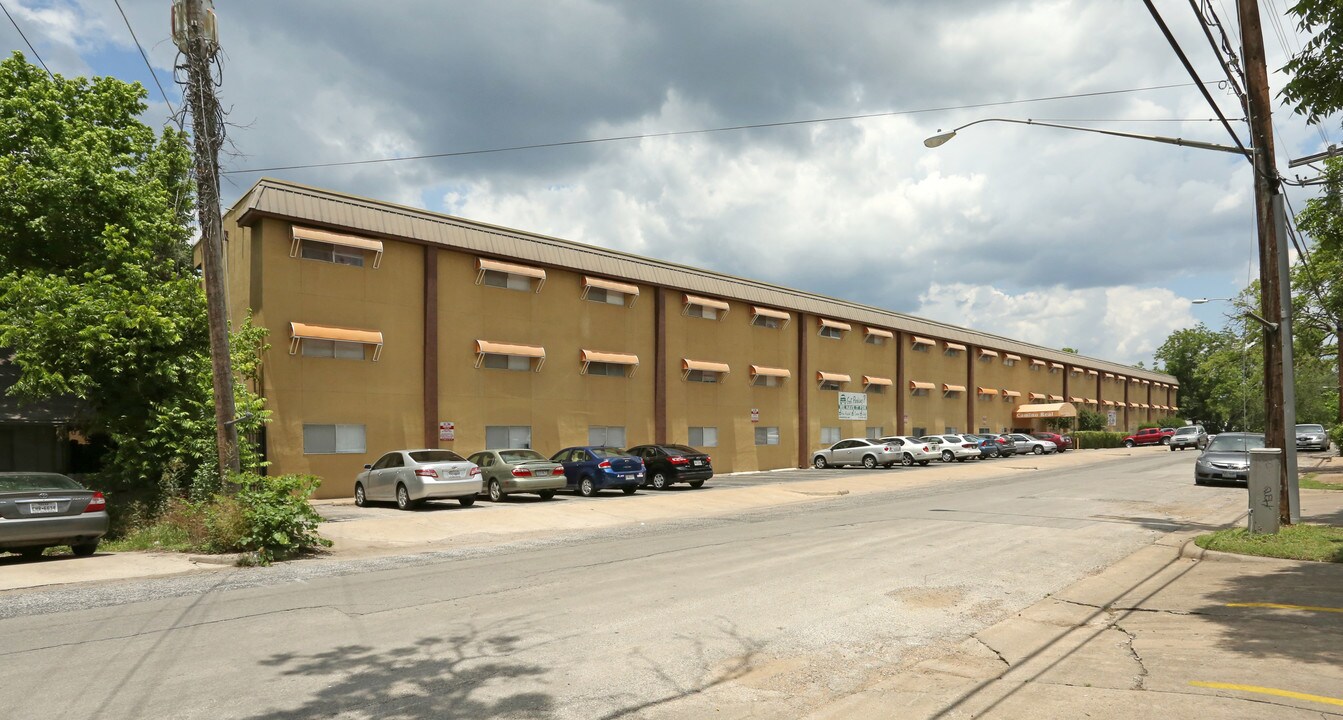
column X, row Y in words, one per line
column 392, row 327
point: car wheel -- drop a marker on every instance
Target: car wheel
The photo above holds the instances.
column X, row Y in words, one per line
column 629, row 489
column 403, row 501
column 547, row 494
column 1038, row 450
column 1197, row 481
column 906, row 459
column 1128, row 443
column 948, row 456
column 85, row 549
column 496, row 492
column 659, row 481
column 467, row 501
column 1165, row 441
column 587, row 488
column 359, row 499
column 869, row 462
column 30, row 553
column 995, row 453
column 923, row 463
column 697, row 484
column 1172, row 448
column 960, row 459
column 819, row 463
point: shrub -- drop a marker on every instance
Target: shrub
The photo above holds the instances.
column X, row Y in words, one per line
column 1336, row 437
column 279, row 521
column 1093, row 439
column 1090, row 420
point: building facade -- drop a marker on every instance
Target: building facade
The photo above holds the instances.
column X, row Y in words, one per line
column 392, row 327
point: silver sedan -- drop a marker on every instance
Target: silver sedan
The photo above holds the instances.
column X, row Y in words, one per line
column 39, row 510
column 409, row 477
column 856, row 451
column 1028, row 444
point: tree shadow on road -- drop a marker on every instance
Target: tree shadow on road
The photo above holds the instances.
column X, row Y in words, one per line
column 462, row 676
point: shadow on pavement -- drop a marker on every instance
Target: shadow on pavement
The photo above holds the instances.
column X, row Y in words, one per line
column 463, row 676
column 1311, row 636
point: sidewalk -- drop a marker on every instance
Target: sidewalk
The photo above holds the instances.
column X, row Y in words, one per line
column 1171, row 630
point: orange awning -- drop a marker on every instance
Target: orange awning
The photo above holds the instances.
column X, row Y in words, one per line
column 1092, row 372
column 615, row 358
column 1046, row 411
column 331, row 332
column 1056, row 398
column 916, row 385
column 1091, row 401
column 1011, row 393
column 1075, row 399
column 510, row 268
column 874, row 380
column 687, row 365
column 878, row 332
column 915, row 339
column 612, row 285
column 1036, row 396
column 488, row 347
column 1108, row 402
column 953, row 346
column 826, row 323
column 986, row 391
column 770, row 371
column 952, row 388
column 1056, row 366
column 705, row 302
column 988, row 352
column 1010, row 356
column 832, row 377
column 298, row 234
column 1041, row 363
column 766, row 312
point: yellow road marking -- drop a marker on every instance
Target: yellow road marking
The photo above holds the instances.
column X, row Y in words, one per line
column 1269, row 691
column 1280, row 606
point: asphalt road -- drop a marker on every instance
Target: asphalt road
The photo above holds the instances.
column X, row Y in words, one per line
column 769, row 613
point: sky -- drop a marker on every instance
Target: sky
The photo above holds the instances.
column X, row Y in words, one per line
column 1055, row 237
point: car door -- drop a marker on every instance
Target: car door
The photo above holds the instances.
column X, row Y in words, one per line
column 842, row 452
column 489, row 467
column 382, row 478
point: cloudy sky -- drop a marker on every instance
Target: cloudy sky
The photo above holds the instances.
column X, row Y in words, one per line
column 1054, row 237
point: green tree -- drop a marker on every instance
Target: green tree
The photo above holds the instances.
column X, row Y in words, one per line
column 1314, row 90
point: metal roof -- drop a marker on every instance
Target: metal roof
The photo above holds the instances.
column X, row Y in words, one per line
column 316, row 206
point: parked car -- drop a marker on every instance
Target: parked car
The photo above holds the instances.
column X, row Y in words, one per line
column 952, row 447
column 1189, row 436
column 504, row 472
column 1028, row 444
column 912, row 450
column 670, row 464
column 589, row 469
column 409, row 477
column 988, row 445
column 1007, row 445
column 1311, row 437
column 1148, row 436
column 1227, row 458
column 39, row 510
column 1062, row 442
column 856, row 451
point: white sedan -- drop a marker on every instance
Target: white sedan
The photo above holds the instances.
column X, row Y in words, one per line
column 856, row 451
column 912, row 450
column 1028, row 444
column 952, row 447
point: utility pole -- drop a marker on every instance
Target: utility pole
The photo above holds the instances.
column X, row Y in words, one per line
column 195, row 34
column 1272, row 258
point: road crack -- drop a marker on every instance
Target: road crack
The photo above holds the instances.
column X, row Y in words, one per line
column 992, row 650
column 1139, row 680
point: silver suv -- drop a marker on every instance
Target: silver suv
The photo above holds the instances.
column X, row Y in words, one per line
column 1193, row 436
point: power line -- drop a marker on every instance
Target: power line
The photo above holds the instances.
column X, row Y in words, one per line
column 25, row 40
column 148, row 67
column 706, row 131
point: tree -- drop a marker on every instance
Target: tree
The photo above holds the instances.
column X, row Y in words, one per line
column 1318, row 301
column 98, row 299
column 1314, row 90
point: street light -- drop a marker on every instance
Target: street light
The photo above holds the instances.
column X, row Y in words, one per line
column 1281, row 393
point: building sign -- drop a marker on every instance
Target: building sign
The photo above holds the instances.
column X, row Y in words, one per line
column 755, row 415
column 852, row 406
column 1112, row 418
column 447, row 431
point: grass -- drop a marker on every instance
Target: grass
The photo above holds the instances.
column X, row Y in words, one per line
column 1309, row 482
column 158, row 536
column 1320, row 543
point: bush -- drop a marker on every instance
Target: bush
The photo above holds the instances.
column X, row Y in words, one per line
column 1093, row 439
column 1336, row 437
column 1090, row 420
column 280, row 522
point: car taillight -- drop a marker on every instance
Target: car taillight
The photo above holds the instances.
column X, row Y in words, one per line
column 605, row 464
column 925, row 449
column 557, row 472
column 886, row 448
column 426, row 472
column 474, row 472
column 522, row 472
column 708, row 459
column 969, row 446
column 679, row 460
column 1000, row 441
column 97, row 503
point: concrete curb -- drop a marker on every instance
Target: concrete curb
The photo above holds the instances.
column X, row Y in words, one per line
column 1190, row 551
column 222, row 559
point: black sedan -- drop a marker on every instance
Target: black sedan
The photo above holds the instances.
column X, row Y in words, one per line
column 39, row 510
column 670, row 464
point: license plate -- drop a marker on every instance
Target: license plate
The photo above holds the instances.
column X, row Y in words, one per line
column 456, row 473
column 41, row 508
column 542, row 472
column 1227, row 476
column 699, row 462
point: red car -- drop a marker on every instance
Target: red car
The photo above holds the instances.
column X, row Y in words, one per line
column 1149, row 436
column 1063, row 442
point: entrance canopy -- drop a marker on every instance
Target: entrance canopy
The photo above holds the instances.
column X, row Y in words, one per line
column 1046, row 410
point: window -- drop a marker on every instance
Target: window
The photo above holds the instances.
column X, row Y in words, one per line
column 875, row 340
column 700, row 311
column 702, row 370
column 333, row 349
column 330, row 439
column 920, row 389
column 920, row 432
column 949, row 390
column 985, row 431
column 874, row 433
column 326, row 252
column 609, row 369
column 702, row 307
column 508, row 436
column 830, row 385
column 951, row 430
column 875, row 388
column 704, row 436
column 507, row 362
column 767, row 318
column 495, row 278
column 1011, row 360
column 987, row 355
column 765, row 321
column 703, row 376
column 610, row 297
column 831, row 332
column 606, row 436
column 768, row 435
column 766, row 381
column 829, row 435
column 509, row 356
column 500, row 274
column 953, row 349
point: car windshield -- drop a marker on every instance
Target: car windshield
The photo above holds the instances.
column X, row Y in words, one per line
column 1191, row 430
column 1310, row 428
column 1236, row 443
column 609, row 452
column 428, row 456
column 22, row 482
column 520, row 456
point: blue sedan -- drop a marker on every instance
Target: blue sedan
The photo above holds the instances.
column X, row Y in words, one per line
column 590, row 469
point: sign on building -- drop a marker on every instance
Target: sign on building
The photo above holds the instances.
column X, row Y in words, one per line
column 755, row 415
column 852, row 406
column 447, row 431
column 1112, row 418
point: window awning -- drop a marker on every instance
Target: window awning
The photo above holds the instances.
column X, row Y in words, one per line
column 1075, row 399
column 612, row 285
column 826, row 323
column 307, row 331
column 1040, row 363
column 878, row 332
column 953, row 346
column 490, row 347
column 832, row 377
column 770, row 371
column 299, row 234
column 986, row 391
column 916, row 385
column 1108, row 403
column 1075, row 370
column 1010, row 356
column 1056, row 398
column 874, row 380
column 1056, row 366
column 776, row 314
column 1109, row 376
column 703, row 365
column 985, row 352
column 705, row 302
column 1092, row 401
column 1174, row 408
column 483, row 264
column 1036, row 396
column 1134, row 405
column 1046, row 410
column 952, row 388
column 1092, row 372
column 615, row 358
column 1146, row 382
column 915, row 339
column 1120, row 378
column 1011, row 393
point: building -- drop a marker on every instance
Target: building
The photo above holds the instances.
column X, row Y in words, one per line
column 393, row 327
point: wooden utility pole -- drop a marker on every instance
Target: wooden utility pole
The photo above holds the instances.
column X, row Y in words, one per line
column 1266, row 186
column 195, row 34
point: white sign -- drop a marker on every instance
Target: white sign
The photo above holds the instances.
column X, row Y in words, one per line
column 447, row 431
column 852, row 406
column 755, row 415
column 1112, row 418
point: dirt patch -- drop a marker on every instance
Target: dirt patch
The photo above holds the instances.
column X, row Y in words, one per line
column 928, row 598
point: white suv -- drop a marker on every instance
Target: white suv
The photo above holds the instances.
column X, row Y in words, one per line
column 1189, row 436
